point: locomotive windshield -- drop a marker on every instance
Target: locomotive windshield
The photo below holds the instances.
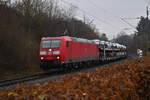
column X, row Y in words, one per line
column 55, row 44
column 45, row 44
column 50, row 44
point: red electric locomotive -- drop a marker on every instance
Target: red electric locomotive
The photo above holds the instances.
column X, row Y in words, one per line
column 64, row 50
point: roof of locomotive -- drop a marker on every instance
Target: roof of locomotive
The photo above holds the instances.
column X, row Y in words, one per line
column 54, row 38
column 68, row 39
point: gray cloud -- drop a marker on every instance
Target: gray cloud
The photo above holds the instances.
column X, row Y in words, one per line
column 107, row 10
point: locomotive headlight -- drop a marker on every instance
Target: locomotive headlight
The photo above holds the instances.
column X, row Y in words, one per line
column 58, row 57
column 50, row 50
column 56, row 52
column 43, row 52
column 42, row 58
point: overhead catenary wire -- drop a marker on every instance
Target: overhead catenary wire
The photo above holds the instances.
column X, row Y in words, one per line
column 106, row 11
column 128, row 23
column 132, row 18
column 97, row 18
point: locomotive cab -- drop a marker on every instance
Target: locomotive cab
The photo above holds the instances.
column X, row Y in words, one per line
column 50, row 52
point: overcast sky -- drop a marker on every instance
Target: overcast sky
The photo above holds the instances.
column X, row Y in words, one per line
column 107, row 13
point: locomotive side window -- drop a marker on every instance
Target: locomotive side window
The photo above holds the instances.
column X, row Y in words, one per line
column 45, row 44
column 67, row 44
column 55, row 44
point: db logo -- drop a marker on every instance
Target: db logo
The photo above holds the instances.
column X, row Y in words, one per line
column 49, row 53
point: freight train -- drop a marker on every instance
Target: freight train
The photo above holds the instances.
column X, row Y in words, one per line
column 68, row 51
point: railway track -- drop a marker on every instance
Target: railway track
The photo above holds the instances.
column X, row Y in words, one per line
column 17, row 80
column 6, row 83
